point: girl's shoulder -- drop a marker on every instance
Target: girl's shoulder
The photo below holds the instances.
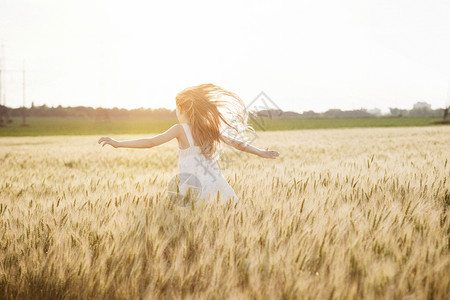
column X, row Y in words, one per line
column 175, row 131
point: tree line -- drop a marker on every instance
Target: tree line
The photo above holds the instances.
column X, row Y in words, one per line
column 6, row 113
column 357, row 113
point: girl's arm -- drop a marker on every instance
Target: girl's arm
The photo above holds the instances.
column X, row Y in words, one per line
column 172, row 132
column 241, row 146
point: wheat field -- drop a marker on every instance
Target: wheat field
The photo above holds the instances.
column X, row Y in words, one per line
column 341, row 214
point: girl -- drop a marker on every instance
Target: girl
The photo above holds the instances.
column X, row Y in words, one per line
column 202, row 127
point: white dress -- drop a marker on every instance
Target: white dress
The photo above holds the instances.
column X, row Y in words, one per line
column 202, row 175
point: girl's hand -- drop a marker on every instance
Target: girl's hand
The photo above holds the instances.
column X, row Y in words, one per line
column 109, row 141
column 269, row 153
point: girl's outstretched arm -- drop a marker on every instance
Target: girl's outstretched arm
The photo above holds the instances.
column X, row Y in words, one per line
column 246, row 147
column 171, row 133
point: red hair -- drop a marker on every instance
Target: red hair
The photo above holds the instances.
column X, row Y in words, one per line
column 201, row 105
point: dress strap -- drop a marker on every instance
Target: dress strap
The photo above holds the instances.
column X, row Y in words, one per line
column 187, row 130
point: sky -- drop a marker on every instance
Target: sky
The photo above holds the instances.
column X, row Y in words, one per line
column 304, row 55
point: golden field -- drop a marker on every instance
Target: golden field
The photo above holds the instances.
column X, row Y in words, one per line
column 341, row 214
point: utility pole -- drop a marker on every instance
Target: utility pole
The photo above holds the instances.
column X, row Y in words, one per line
column 448, row 94
column 3, row 109
column 1, row 75
column 24, row 112
column 3, row 87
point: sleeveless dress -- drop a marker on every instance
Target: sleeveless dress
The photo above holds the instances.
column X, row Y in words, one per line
column 203, row 176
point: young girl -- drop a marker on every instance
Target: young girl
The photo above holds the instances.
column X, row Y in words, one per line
column 202, row 127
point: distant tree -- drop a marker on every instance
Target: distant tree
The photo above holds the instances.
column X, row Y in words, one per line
column 396, row 112
column 309, row 114
column 42, row 111
column 332, row 113
column 59, row 111
column 4, row 117
column 3, row 112
column 337, row 113
column 446, row 112
column 419, row 112
column 101, row 113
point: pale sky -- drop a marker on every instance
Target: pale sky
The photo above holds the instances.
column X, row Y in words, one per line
column 305, row 55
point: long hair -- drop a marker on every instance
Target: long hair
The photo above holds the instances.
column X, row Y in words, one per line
column 211, row 112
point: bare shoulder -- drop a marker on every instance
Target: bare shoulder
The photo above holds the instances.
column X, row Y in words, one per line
column 176, row 127
column 176, row 130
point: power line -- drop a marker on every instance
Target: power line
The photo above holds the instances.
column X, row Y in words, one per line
column 4, row 71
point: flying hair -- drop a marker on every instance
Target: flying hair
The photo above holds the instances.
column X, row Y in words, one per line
column 213, row 112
